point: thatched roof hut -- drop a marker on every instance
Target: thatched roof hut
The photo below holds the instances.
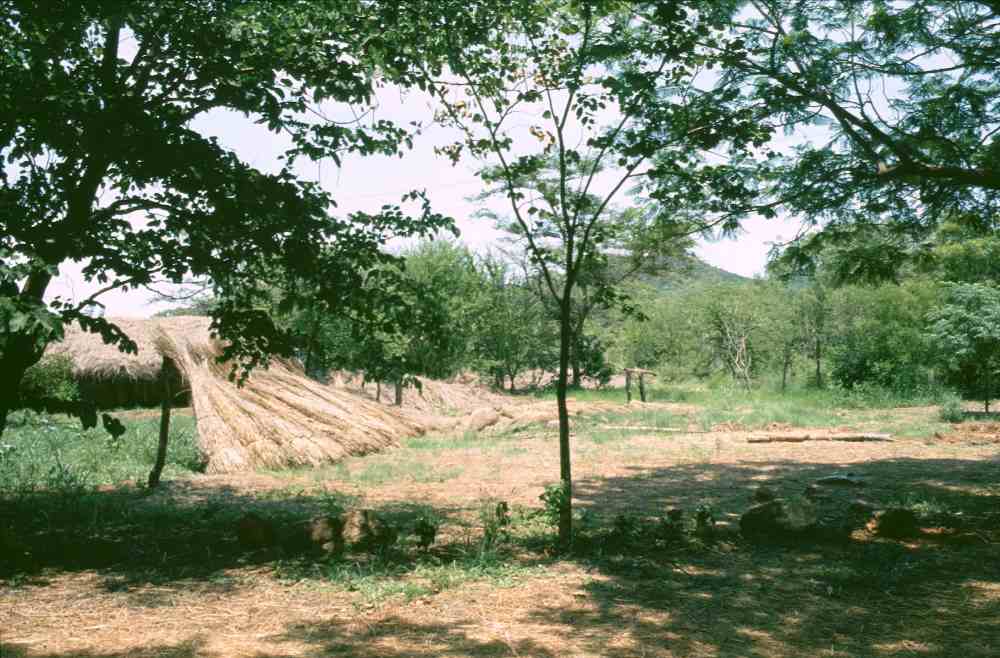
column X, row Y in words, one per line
column 112, row 379
column 279, row 418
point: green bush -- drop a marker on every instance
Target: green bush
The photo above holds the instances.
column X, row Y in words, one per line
column 50, row 379
column 951, row 410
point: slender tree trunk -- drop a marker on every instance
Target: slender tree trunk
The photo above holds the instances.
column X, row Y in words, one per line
column 565, row 471
column 12, row 368
column 511, row 382
column 399, row 393
column 161, row 451
column 378, row 391
column 20, row 350
column 577, row 375
column 819, row 361
column 784, row 372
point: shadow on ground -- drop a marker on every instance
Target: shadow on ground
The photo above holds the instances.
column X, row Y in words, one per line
column 861, row 597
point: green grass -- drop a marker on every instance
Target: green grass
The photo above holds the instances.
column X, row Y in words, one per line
column 756, row 409
column 53, row 452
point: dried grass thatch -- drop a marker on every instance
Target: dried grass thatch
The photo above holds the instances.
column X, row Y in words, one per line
column 456, row 396
column 280, row 417
column 93, row 359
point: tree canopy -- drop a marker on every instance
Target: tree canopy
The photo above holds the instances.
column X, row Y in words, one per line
column 104, row 168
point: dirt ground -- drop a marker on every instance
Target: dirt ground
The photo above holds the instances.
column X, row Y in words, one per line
column 935, row 595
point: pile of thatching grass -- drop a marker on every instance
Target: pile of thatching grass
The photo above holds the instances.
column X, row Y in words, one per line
column 458, row 395
column 280, row 417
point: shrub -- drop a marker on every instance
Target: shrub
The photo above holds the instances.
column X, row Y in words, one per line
column 50, row 379
column 554, row 499
column 951, row 410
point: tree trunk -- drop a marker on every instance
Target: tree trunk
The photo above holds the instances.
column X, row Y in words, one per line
column 399, row 393
column 565, row 472
column 577, row 375
column 511, row 383
column 784, row 372
column 378, row 391
column 819, row 361
column 12, row 368
column 628, row 387
column 161, row 451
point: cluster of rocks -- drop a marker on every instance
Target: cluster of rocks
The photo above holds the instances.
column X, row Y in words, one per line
column 829, row 509
column 359, row 530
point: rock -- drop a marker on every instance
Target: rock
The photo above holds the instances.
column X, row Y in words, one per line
column 777, row 519
column 763, row 521
column 675, row 515
column 762, row 494
column 896, row 523
column 254, row 531
column 363, row 530
column 859, row 506
column 481, row 418
column 845, row 480
column 326, row 533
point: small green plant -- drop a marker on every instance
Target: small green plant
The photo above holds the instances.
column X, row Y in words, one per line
column 951, row 410
column 554, row 501
column 495, row 518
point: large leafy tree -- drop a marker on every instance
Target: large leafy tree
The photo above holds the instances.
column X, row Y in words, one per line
column 903, row 104
column 965, row 330
column 103, row 167
column 628, row 243
column 591, row 86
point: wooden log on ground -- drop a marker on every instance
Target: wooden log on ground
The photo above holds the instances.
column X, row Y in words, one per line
column 643, row 428
column 802, row 438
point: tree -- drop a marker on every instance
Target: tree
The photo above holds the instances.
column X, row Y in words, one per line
column 877, row 337
column 907, row 95
column 514, row 331
column 629, row 243
column 814, row 305
column 448, row 281
column 965, row 331
column 102, row 166
column 734, row 317
column 608, row 85
column 784, row 326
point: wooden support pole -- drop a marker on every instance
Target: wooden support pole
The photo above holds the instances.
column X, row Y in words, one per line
column 166, row 371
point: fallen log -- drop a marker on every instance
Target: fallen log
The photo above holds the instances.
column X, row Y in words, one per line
column 802, row 438
column 640, row 428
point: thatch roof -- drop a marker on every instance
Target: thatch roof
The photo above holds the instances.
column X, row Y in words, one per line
column 93, row 359
column 279, row 418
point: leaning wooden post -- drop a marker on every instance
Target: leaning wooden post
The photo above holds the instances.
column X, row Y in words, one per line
column 161, row 451
column 628, row 386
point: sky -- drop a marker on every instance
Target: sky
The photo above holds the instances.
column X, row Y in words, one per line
column 366, row 183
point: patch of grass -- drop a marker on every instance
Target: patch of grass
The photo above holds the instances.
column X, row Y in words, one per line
column 53, row 452
column 388, row 577
column 381, row 472
column 433, row 443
